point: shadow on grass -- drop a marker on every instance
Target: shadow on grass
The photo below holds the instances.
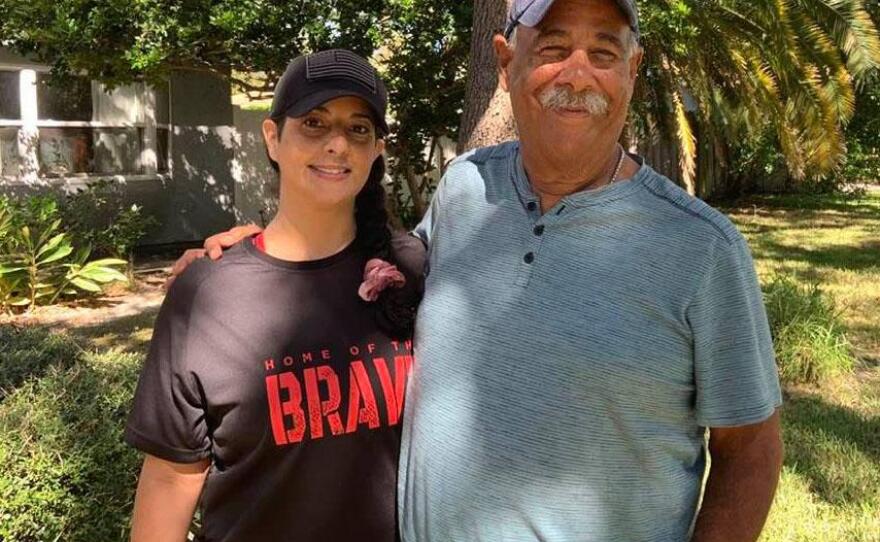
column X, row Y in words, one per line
column 843, row 257
column 868, row 207
column 129, row 333
column 30, row 352
column 836, row 448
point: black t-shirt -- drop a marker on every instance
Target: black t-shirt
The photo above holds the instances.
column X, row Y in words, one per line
column 278, row 372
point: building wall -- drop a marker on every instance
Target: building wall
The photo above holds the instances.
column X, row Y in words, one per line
column 198, row 199
column 195, row 196
column 256, row 184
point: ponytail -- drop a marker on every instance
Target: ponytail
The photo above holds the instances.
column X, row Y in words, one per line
column 396, row 307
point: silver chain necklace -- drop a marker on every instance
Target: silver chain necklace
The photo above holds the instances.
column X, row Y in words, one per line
column 619, row 165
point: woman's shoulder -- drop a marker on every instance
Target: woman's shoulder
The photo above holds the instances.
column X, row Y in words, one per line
column 205, row 271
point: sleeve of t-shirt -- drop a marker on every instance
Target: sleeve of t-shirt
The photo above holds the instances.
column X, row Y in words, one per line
column 735, row 368
column 168, row 416
column 409, row 252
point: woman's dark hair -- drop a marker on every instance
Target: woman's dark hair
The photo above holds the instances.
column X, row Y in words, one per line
column 279, row 122
column 396, row 307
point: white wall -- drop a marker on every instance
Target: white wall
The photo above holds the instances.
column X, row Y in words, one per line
column 256, row 185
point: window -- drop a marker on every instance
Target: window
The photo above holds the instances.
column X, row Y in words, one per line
column 70, row 99
column 10, row 99
column 66, row 151
column 9, row 159
column 79, row 127
column 162, row 139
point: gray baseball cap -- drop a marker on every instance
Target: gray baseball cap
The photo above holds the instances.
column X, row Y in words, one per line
column 530, row 13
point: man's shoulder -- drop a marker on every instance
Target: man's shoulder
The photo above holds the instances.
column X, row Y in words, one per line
column 477, row 168
column 481, row 155
column 690, row 212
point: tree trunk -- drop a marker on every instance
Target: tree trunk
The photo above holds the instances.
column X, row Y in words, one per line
column 487, row 118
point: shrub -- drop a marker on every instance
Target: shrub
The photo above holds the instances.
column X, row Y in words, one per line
column 808, row 333
column 97, row 216
column 65, row 473
column 29, row 352
column 38, row 263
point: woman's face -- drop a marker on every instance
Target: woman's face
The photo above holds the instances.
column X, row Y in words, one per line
column 325, row 156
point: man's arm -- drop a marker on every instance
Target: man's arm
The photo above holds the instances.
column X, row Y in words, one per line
column 166, row 497
column 746, row 462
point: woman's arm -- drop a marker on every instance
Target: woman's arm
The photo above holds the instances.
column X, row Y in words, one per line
column 166, row 497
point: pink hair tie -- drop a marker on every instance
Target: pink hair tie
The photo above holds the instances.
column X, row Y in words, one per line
column 378, row 275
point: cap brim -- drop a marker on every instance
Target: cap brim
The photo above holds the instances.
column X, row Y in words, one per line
column 538, row 9
column 312, row 101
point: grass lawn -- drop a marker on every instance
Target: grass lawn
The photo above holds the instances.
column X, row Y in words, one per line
column 830, row 488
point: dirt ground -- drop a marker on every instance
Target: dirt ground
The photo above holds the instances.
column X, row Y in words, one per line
column 117, row 302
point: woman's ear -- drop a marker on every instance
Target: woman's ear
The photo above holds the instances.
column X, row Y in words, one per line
column 380, row 147
column 271, row 137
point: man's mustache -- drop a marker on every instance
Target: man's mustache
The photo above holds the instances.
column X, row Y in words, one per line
column 595, row 103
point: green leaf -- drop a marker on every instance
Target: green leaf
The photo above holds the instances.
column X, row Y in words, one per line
column 20, row 302
column 48, row 231
column 4, row 270
column 54, row 242
column 59, row 253
column 85, row 284
column 108, row 262
column 101, row 274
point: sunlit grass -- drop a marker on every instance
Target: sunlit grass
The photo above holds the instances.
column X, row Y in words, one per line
column 830, row 486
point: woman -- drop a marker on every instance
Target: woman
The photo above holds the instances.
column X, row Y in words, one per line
column 275, row 379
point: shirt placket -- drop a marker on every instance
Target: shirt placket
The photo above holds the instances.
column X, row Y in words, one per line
column 531, row 252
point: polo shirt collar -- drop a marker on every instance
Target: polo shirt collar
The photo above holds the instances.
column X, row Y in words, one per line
column 584, row 198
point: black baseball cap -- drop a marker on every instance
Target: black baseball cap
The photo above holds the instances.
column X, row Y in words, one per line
column 530, row 13
column 311, row 80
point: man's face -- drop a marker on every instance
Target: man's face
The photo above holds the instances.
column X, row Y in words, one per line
column 571, row 78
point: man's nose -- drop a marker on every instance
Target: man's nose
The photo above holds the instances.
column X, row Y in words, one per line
column 576, row 71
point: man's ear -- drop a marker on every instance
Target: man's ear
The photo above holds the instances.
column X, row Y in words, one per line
column 270, row 137
column 503, row 55
column 635, row 61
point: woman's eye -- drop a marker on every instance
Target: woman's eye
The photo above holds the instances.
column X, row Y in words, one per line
column 361, row 129
column 312, row 122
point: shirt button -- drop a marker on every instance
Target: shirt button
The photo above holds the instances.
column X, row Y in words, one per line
column 532, row 206
column 529, row 258
column 539, row 230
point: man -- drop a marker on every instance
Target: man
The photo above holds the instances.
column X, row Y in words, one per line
column 585, row 321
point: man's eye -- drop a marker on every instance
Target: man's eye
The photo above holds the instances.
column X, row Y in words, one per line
column 554, row 50
column 604, row 56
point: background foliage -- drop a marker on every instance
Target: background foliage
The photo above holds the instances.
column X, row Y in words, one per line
column 770, row 85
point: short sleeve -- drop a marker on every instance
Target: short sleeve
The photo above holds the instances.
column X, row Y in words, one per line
column 410, row 253
column 168, row 415
column 735, row 368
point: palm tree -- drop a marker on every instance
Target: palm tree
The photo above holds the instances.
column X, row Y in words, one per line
column 731, row 69
column 735, row 69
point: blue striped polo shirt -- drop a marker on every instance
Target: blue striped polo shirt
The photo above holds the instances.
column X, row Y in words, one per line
column 569, row 363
